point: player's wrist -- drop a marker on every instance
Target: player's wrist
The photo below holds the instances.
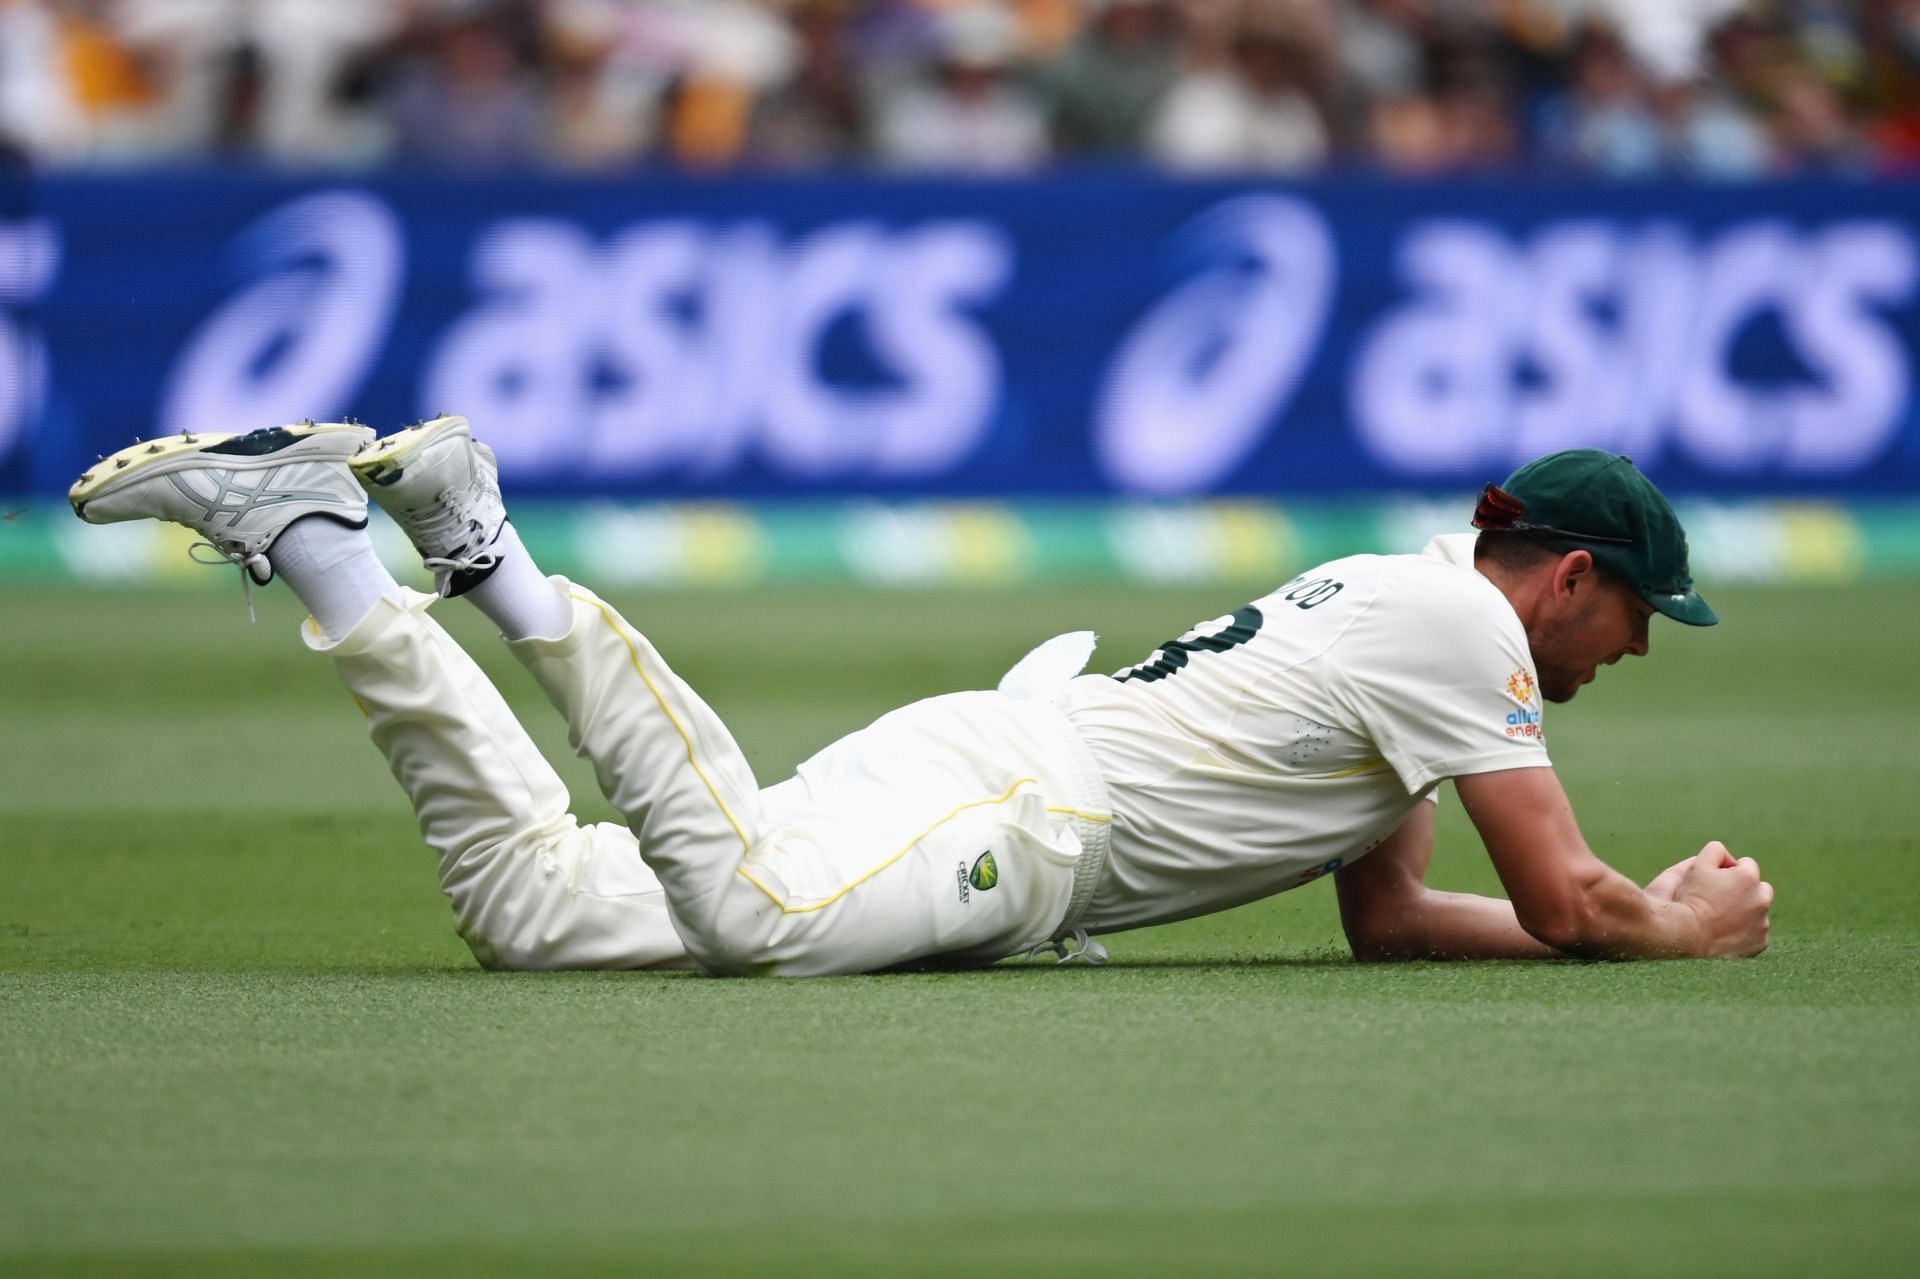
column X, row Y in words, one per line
column 1695, row 931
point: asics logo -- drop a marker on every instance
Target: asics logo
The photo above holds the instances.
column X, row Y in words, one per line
column 233, row 500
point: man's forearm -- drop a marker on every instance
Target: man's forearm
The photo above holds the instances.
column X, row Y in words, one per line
column 1613, row 918
column 1437, row 925
column 1570, row 900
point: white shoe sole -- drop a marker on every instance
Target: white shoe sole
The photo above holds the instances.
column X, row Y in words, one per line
column 386, row 460
column 144, row 461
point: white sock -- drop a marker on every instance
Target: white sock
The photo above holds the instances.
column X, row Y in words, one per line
column 517, row 596
column 333, row 569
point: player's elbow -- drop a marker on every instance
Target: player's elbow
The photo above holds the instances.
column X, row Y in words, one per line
column 1378, row 933
column 1563, row 929
column 1571, row 918
column 1381, row 952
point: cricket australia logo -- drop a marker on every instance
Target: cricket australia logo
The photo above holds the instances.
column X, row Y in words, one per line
column 984, row 875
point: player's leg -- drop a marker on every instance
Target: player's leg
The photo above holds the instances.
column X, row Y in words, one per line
column 663, row 758
column 886, row 848
column 867, row 862
column 963, row 828
column 530, row 888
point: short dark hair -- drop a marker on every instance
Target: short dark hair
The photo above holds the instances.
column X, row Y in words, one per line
column 1511, row 550
column 1518, row 551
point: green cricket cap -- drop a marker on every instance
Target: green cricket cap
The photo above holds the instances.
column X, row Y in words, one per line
column 1598, row 502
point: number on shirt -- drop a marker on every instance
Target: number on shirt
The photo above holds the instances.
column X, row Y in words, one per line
column 1172, row 655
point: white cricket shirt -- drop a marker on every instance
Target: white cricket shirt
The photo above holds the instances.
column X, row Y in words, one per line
column 1263, row 750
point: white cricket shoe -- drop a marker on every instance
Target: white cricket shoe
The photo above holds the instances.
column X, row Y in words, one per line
column 442, row 487
column 240, row 492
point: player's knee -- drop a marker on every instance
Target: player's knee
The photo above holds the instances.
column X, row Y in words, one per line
column 485, row 953
column 513, row 941
column 732, row 956
column 734, row 938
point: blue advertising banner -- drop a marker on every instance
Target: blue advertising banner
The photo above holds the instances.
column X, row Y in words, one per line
column 1072, row 336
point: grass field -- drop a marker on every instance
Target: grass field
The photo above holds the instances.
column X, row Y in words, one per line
column 238, row 1036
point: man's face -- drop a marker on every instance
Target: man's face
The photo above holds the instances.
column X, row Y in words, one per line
column 1600, row 624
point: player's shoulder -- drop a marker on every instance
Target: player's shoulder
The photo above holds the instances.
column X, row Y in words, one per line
column 1426, row 599
column 1441, row 588
column 1440, row 579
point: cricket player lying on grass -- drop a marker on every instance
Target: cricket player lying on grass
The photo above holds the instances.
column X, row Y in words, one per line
column 1302, row 736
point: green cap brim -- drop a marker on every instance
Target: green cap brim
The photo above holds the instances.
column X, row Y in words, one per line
column 1688, row 608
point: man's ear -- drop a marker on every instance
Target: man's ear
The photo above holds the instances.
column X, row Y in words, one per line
column 1573, row 574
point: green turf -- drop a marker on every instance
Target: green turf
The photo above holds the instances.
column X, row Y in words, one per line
column 237, row 1035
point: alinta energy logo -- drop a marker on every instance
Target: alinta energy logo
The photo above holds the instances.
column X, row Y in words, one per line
column 1525, row 721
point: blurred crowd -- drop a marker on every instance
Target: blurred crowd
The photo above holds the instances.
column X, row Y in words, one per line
column 1609, row 88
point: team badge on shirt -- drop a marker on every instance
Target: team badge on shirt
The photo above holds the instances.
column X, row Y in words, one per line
column 1524, row 722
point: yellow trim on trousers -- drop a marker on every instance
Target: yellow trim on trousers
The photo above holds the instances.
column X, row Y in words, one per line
column 687, row 738
column 911, row 845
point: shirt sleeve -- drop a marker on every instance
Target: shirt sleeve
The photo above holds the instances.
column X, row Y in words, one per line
column 1438, row 675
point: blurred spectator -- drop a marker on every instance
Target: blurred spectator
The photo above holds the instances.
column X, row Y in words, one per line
column 1246, row 103
column 737, row 50
column 1381, row 48
column 1890, row 78
column 1532, row 40
column 1049, row 26
column 1663, row 37
column 614, row 65
column 1477, row 129
column 814, row 119
column 460, row 99
column 1610, row 88
column 1480, row 117
column 1812, row 132
column 39, row 110
column 1775, row 68
column 1604, row 123
column 1828, row 34
column 966, row 112
column 1708, row 135
column 256, row 78
column 1406, row 135
column 602, row 110
column 1107, row 85
column 1748, row 52
column 105, row 78
column 1186, row 129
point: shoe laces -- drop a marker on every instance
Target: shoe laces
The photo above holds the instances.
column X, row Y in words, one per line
column 253, row 566
column 461, row 564
column 452, row 521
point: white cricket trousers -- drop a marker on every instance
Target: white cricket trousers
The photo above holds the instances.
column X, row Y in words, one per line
column 960, row 829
